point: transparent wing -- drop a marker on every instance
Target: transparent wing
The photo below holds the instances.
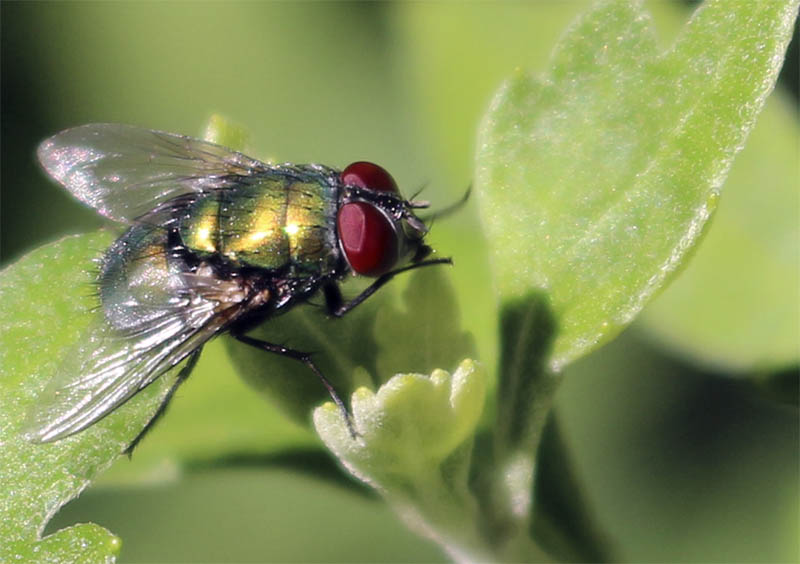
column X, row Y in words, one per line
column 113, row 364
column 123, row 171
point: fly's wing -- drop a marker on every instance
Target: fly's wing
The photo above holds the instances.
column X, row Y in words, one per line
column 115, row 363
column 123, row 171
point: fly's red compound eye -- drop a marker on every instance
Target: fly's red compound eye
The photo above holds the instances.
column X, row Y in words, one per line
column 368, row 238
column 369, row 175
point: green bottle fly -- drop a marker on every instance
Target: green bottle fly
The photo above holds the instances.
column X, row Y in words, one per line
column 217, row 242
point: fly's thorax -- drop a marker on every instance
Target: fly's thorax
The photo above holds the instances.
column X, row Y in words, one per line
column 273, row 221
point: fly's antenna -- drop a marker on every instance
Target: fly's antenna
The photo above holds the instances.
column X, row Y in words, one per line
column 454, row 207
column 414, row 204
column 418, row 192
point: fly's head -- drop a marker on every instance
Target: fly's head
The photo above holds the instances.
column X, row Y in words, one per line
column 378, row 229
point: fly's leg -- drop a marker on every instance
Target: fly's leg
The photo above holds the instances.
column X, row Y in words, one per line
column 305, row 358
column 333, row 298
column 182, row 376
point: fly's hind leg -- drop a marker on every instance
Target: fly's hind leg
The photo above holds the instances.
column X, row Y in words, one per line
column 305, row 358
column 182, row 376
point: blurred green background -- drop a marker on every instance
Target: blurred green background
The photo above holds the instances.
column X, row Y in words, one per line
column 684, row 430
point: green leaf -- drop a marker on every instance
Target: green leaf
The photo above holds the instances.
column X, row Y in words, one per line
column 736, row 305
column 414, row 443
column 597, row 180
column 427, row 332
column 409, row 426
column 86, row 543
column 47, row 297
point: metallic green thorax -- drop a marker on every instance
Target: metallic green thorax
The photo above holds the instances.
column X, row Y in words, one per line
column 273, row 221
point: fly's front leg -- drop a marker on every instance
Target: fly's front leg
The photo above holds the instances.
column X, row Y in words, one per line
column 333, row 297
column 305, row 358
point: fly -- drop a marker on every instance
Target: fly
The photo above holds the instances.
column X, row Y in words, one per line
column 216, row 242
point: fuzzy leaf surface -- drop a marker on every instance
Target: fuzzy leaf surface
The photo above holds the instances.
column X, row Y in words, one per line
column 597, row 180
column 46, row 298
column 736, row 305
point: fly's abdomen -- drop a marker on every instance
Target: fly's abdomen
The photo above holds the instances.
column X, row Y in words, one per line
column 138, row 279
column 271, row 222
